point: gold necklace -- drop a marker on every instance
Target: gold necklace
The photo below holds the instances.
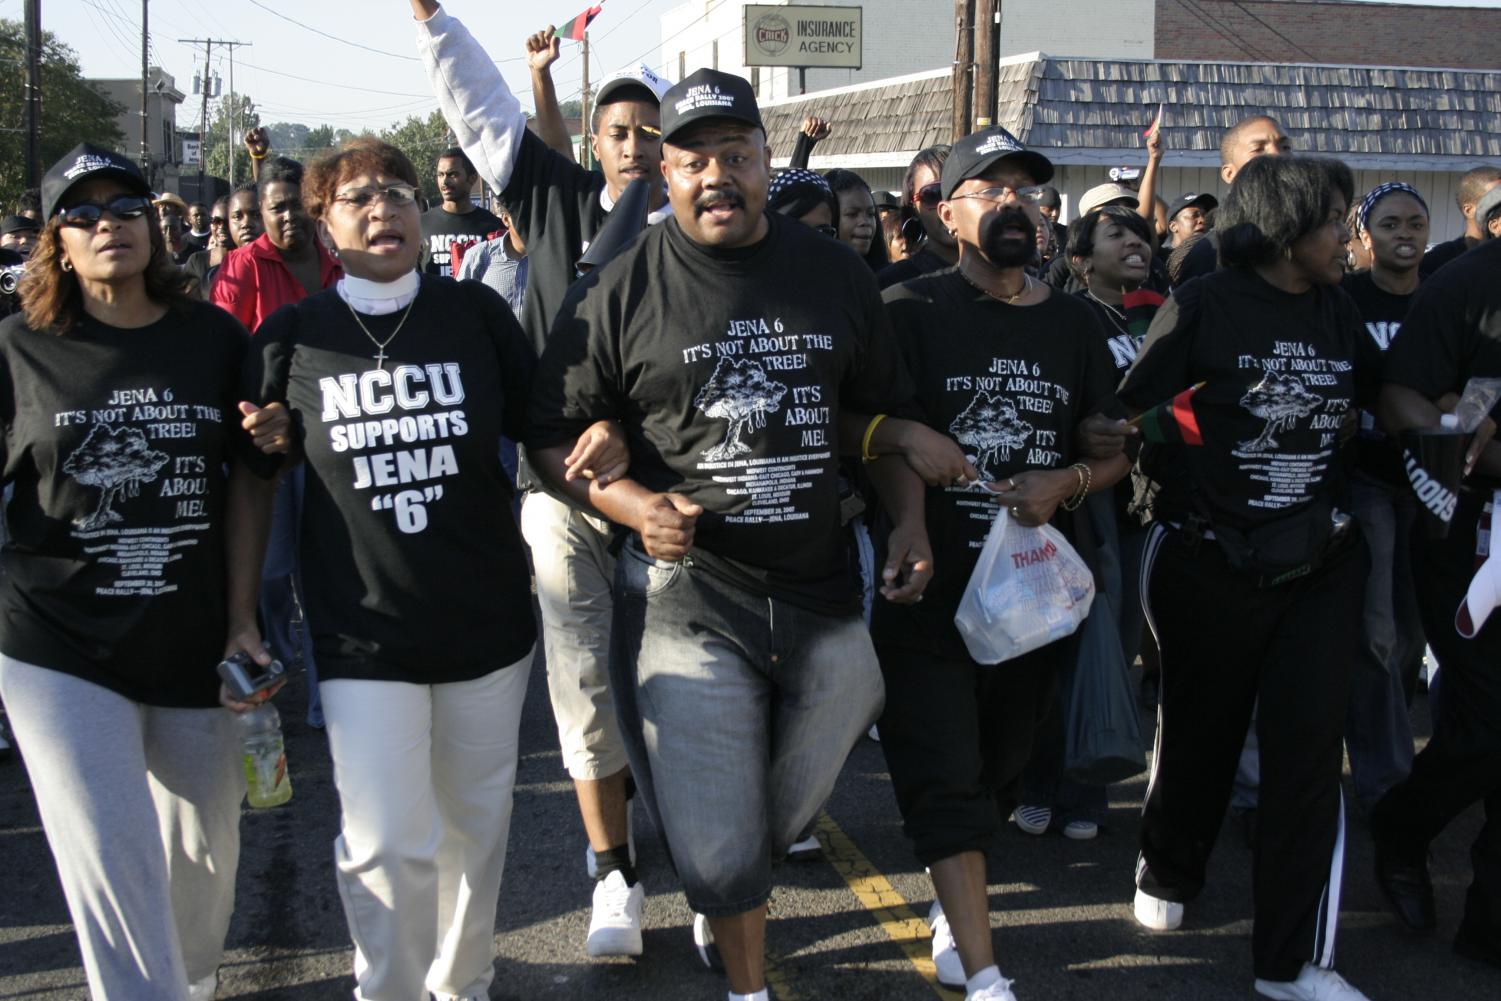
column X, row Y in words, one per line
column 1026, row 284
column 380, row 355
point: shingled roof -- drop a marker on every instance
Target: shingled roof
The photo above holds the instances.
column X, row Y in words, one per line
column 1087, row 110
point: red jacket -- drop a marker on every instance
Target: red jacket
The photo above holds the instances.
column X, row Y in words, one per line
column 254, row 282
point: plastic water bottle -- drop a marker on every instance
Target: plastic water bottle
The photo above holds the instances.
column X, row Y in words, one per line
column 265, row 757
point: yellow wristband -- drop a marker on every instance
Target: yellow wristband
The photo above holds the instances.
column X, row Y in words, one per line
column 870, row 429
column 254, row 157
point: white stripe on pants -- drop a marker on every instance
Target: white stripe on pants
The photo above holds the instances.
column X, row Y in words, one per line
column 425, row 775
column 141, row 805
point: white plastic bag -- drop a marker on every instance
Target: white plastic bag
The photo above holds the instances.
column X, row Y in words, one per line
column 1028, row 589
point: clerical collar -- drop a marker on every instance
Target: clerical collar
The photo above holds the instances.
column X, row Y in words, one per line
column 379, row 298
column 652, row 218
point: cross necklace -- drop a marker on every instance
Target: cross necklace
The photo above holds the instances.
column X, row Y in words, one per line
column 380, row 354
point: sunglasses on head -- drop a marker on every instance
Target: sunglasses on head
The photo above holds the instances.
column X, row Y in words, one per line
column 928, row 195
column 122, row 207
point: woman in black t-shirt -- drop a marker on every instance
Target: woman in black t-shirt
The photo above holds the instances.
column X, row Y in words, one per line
column 417, row 585
column 1253, row 576
column 119, row 404
column 1391, row 224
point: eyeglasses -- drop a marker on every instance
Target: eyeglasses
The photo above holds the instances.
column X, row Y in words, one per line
column 1001, row 193
column 928, row 195
column 361, row 198
column 828, row 231
column 86, row 214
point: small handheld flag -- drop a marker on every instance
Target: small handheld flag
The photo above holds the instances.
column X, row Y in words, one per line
column 1156, row 125
column 1173, row 422
column 575, row 28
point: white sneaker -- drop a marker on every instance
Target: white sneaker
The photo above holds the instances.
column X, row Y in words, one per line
column 615, row 925
column 945, row 949
column 591, row 863
column 703, row 941
column 1314, row 984
column 805, row 850
column 1156, row 914
column 1081, row 830
column 998, row 991
column 205, row 989
column 1033, row 819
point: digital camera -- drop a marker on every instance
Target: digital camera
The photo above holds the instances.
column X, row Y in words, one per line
column 245, row 678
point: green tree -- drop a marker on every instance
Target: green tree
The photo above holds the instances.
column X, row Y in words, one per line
column 73, row 109
column 217, row 146
column 422, row 140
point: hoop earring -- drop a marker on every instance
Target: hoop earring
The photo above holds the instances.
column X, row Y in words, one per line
column 66, row 264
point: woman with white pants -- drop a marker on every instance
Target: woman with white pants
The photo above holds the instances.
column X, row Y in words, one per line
column 118, row 401
column 416, row 582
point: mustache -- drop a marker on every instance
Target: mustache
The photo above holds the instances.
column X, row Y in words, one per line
column 706, row 202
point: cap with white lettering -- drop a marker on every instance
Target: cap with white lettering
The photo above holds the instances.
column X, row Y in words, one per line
column 640, row 78
column 708, row 94
column 84, row 162
column 974, row 154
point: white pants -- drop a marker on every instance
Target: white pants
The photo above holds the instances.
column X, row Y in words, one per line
column 425, row 775
column 141, row 805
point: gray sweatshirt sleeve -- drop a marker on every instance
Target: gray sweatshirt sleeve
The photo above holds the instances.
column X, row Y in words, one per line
column 473, row 96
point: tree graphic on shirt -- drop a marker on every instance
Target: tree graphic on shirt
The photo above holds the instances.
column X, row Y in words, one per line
column 990, row 425
column 117, row 461
column 1282, row 400
column 740, row 393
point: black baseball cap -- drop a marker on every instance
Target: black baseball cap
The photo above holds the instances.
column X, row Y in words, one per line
column 85, row 162
column 19, row 224
column 888, row 200
column 708, row 94
column 974, row 154
column 1205, row 202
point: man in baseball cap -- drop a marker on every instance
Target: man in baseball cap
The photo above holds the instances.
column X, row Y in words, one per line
column 742, row 667
column 976, row 153
column 1113, row 193
column 1189, row 215
column 19, row 233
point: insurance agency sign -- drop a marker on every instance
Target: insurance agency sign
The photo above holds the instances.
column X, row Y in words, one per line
column 802, row 36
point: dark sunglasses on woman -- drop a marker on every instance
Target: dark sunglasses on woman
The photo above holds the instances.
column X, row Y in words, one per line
column 86, row 214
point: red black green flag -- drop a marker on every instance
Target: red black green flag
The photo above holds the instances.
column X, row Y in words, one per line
column 1140, row 306
column 1173, row 422
column 575, row 28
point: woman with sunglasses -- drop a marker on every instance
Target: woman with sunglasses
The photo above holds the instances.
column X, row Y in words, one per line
column 937, row 247
column 120, row 406
column 417, row 585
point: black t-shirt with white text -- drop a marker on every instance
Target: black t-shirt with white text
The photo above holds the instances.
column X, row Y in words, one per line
column 1282, row 371
column 441, row 228
column 1453, row 330
column 1010, row 385
column 116, row 443
column 412, row 564
column 728, row 369
column 1382, row 312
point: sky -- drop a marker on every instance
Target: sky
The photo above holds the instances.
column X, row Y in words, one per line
column 297, row 73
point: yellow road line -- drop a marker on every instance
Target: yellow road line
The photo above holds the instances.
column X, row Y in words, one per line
column 888, row 907
column 777, row 979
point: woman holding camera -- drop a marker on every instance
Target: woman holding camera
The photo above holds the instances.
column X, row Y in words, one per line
column 1253, row 576
column 119, row 400
column 417, row 585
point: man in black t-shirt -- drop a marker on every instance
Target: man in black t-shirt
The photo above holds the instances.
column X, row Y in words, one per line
column 1473, row 185
column 742, row 668
column 556, row 208
column 1452, row 333
column 457, row 217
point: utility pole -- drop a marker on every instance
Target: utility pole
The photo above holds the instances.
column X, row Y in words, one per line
column 145, row 93
column 964, row 64
column 33, row 93
column 987, row 63
column 587, row 151
column 208, row 49
column 231, row 110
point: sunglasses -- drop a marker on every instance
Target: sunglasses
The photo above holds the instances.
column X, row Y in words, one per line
column 928, row 195
column 394, row 194
column 86, row 214
column 826, row 230
column 1002, row 193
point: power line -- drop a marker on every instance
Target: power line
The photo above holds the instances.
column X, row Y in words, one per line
column 330, row 83
column 1274, row 31
column 336, row 38
column 1205, row 19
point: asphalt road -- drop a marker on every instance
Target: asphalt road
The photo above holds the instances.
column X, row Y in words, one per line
column 842, row 928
